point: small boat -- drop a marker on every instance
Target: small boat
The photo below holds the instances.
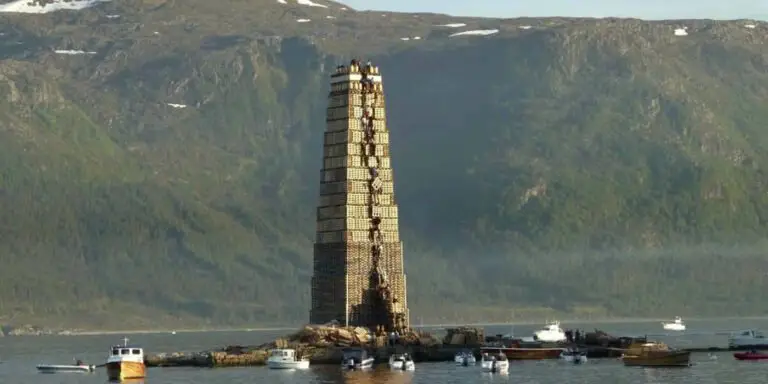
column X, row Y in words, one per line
column 286, row 359
column 653, row 354
column 356, row 359
column 497, row 363
column 402, row 362
column 126, row 362
column 747, row 339
column 77, row 367
column 751, row 355
column 465, row 358
column 676, row 325
column 551, row 333
column 573, row 355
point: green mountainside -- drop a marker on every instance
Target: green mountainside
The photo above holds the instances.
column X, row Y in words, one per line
column 577, row 167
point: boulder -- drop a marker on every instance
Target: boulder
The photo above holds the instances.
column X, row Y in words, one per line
column 464, row 336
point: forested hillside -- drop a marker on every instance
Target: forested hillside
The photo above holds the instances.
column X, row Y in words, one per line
column 160, row 159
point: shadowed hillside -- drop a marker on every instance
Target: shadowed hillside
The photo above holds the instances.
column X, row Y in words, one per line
column 158, row 161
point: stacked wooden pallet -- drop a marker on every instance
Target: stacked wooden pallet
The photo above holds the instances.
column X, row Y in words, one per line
column 357, row 218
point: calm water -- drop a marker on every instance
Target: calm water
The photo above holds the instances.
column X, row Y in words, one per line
column 19, row 355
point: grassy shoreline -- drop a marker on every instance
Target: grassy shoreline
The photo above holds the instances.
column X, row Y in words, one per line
column 423, row 326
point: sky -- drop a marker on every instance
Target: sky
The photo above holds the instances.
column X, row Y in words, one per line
column 646, row 9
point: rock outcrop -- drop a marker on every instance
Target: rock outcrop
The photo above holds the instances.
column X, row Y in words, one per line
column 464, row 336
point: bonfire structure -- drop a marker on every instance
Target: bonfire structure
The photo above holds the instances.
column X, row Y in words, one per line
column 358, row 278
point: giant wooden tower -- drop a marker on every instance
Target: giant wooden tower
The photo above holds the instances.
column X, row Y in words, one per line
column 358, row 257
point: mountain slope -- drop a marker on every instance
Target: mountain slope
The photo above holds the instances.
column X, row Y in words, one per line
column 172, row 172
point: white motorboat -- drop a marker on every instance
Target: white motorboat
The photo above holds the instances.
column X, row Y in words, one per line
column 573, row 355
column 551, row 333
column 54, row 368
column 747, row 339
column 402, row 362
column 494, row 363
column 676, row 325
column 286, row 359
column 356, row 359
column 465, row 358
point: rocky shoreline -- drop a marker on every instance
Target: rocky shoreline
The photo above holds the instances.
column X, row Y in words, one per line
column 33, row 330
column 325, row 345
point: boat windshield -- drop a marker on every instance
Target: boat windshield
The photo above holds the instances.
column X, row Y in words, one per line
column 282, row 353
column 353, row 353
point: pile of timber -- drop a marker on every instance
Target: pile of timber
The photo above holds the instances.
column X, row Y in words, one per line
column 464, row 336
column 326, row 336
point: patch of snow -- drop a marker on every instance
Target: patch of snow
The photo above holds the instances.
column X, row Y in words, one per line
column 453, row 25
column 750, row 26
column 330, row 17
column 73, row 52
column 28, row 6
column 417, row 38
column 176, row 105
column 410, row 38
column 303, row 20
column 113, row 16
column 343, row 8
column 310, row 3
column 405, row 38
column 525, row 27
column 681, row 32
column 282, row 1
column 477, row 32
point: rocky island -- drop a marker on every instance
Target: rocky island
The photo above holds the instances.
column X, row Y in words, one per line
column 324, row 345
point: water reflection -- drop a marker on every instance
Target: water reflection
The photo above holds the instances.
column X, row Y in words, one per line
column 664, row 375
column 379, row 375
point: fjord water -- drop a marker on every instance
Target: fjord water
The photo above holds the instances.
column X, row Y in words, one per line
column 20, row 355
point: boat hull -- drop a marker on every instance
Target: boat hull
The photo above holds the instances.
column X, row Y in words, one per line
column 660, row 359
column 499, row 367
column 526, row 353
column 300, row 364
column 43, row 368
column 400, row 365
column 574, row 358
column 750, row 356
column 122, row 370
column 367, row 363
column 465, row 360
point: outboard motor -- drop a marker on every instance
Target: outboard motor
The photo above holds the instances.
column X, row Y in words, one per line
column 465, row 361
column 493, row 366
column 351, row 363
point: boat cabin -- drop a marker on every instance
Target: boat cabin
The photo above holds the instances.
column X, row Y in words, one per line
column 127, row 351
column 283, row 354
column 551, row 327
column 357, row 354
column 647, row 348
column 750, row 334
